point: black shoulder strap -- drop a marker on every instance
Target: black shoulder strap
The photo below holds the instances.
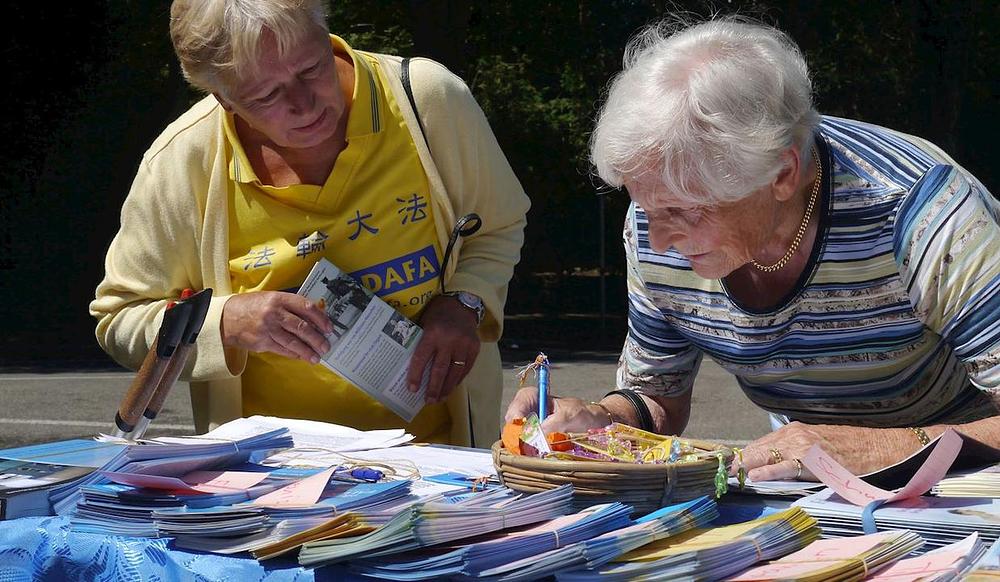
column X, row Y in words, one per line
column 467, row 225
column 405, row 77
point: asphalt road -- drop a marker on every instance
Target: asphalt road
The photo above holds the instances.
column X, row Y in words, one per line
column 37, row 407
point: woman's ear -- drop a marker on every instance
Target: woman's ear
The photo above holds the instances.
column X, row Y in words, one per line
column 789, row 179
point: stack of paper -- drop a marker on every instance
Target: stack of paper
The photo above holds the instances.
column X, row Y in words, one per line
column 950, row 562
column 780, row 488
column 28, row 474
column 851, row 506
column 127, row 507
column 602, row 549
column 433, row 460
column 367, row 505
column 290, row 534
column 939, row 520
column 830, row 560
column 987, row 568
column 113, row 509
column 179, row 457
column 341, row 497
column 473, row 558
column 72, row 453
column 312, row 439
column 710, row 554
column 968, row 452
column 976, row 483
column 435, row 522
column 213, row 522
column 320, row 519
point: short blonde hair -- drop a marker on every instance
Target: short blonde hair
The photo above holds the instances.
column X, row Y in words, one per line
column 218, row 41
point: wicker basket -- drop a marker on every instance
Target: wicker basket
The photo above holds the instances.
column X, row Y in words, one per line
column 646, row 487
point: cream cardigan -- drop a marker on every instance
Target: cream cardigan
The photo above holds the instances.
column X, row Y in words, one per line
column 174, row 234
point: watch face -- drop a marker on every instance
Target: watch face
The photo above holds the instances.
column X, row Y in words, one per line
column 473, row 302
column 469, row 299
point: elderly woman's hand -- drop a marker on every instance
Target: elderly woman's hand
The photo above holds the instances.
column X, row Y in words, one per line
column 525, row 403
column 278, row 322
column 860, row 450
column 449, row 345
column 567, row 414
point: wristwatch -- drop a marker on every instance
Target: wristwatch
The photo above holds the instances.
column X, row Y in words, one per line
column 471, row 301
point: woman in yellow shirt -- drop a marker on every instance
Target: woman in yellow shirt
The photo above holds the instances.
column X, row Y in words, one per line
column 308, row 149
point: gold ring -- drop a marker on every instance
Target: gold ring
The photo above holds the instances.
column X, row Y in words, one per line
column 776, row 455
column 798, row 468
column 458, row 363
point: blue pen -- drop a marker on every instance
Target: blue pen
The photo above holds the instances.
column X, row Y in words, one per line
column 542, row 361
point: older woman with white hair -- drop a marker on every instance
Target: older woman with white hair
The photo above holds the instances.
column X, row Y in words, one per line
column 304, row 149
column 848, row 275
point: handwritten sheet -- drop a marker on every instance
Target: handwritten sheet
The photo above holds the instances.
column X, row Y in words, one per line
column 301, row 493
column 856, row 491
column 840, row 553
column 950, row 558
column 194, row 482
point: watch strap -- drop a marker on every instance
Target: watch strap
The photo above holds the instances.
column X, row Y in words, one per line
column 470, row 301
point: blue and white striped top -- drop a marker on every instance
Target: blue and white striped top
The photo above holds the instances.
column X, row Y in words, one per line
column 895, row 321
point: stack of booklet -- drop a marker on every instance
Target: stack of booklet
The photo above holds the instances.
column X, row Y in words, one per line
column 179, row 457
column 593, row 553
column 128, row 509
column 987, row 568
column 225, row 520
column 975, row 483
column 289, row 534
column 28, row 474
column 282, row 522
column 946, row 563
column 439, row 521
column 939, row 520
column 475, row 557
column 710, row 554
column 312, row 437
column 843, row 559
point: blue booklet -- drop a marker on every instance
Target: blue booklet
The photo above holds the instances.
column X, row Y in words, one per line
column 73, row 452
column 28, row 474
column 173, row 459
column 484, row 553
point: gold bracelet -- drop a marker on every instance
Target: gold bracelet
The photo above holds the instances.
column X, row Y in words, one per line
column 921, row 435
column 611, row 419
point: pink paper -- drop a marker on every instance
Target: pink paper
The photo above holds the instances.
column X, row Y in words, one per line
column 196, row 482
column 223, row 481
column 856, row 491
column 836, row 549
column 920, row 567
column 782, row 570
column 817, row 555
column 300, row 493
column 947, row 558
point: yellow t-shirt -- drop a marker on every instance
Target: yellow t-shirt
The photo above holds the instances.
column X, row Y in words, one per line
column 372, row 218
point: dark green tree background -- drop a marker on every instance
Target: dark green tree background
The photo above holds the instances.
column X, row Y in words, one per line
column 90, row 84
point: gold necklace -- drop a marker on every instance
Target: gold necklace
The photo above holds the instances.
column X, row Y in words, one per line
column 802, row 227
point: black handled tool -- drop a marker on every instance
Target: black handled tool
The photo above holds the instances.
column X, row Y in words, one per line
column 175, row 320
column 199, row 303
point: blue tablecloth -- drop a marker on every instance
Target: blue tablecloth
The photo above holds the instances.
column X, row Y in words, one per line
column 43, row 548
